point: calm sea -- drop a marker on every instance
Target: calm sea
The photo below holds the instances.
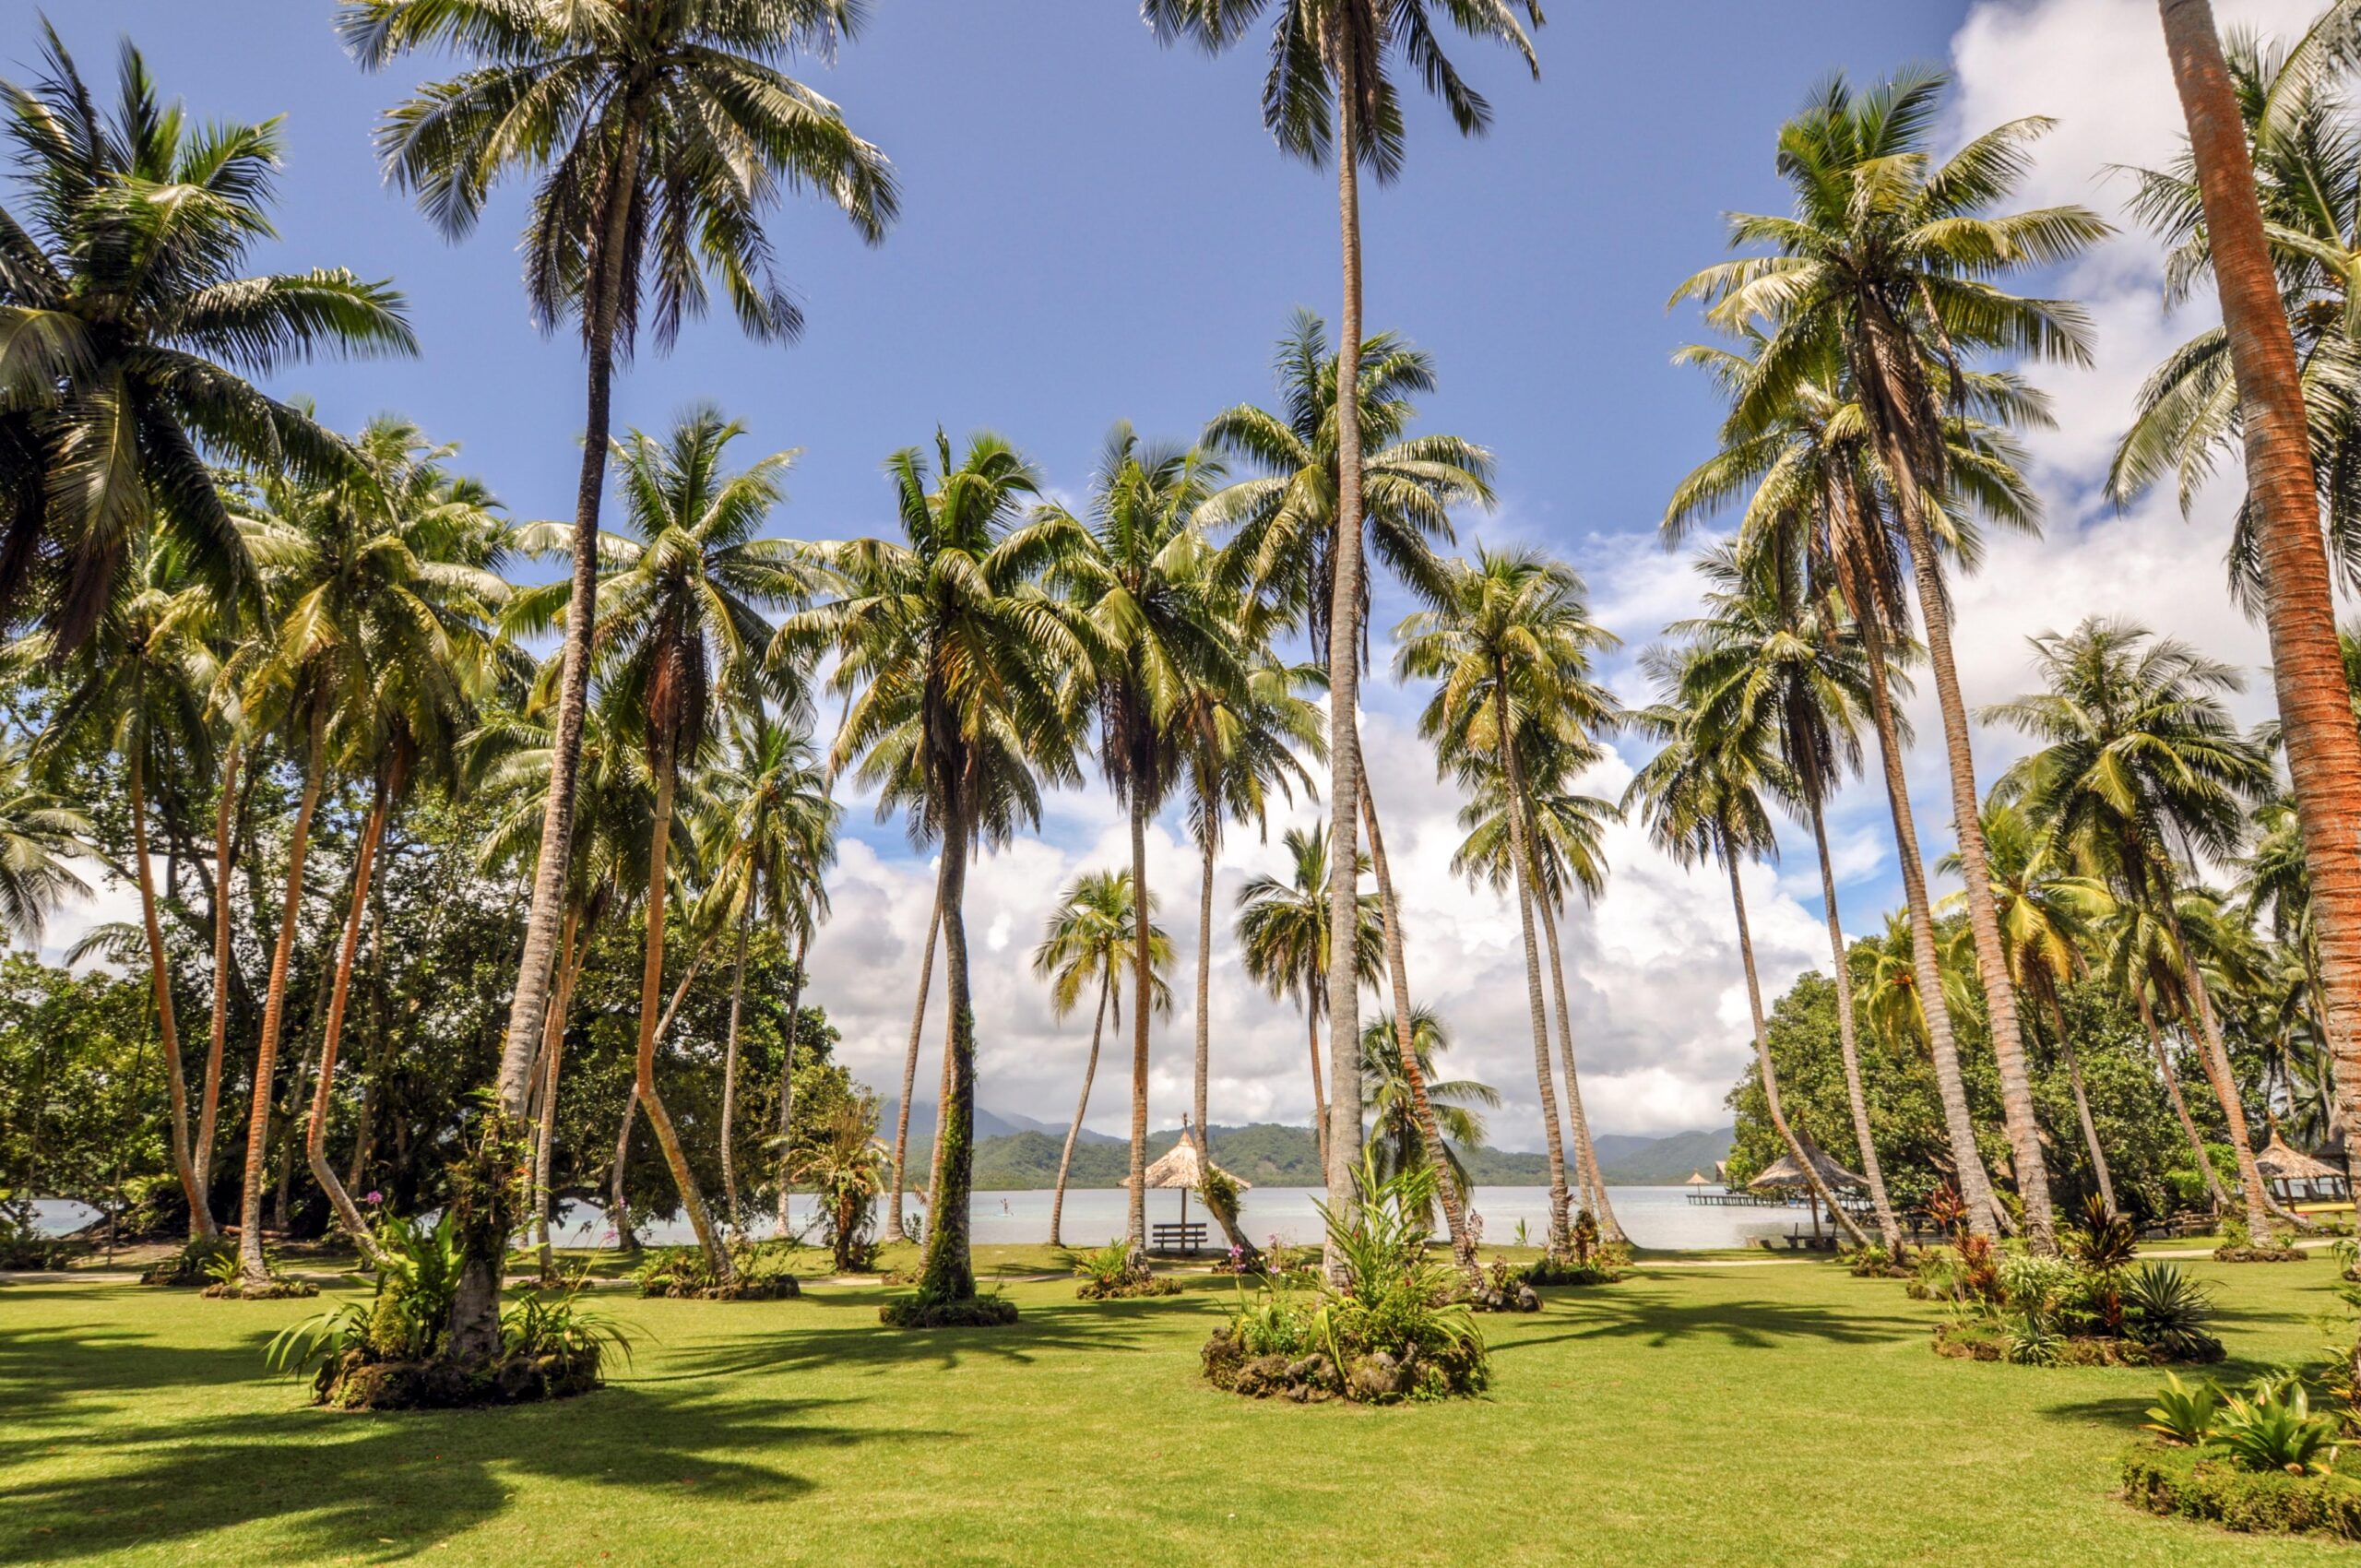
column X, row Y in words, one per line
column 1655, row 1216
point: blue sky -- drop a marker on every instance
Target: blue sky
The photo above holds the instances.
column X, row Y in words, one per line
column 1096, row 228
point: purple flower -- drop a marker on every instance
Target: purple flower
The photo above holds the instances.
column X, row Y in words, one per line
column 373, row 1196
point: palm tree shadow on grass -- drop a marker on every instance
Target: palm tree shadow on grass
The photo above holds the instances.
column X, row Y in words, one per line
column 1077, row 1328
column 386, row 1486
column 1749, row 1325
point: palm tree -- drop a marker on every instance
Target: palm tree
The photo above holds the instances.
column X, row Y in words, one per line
column 2050, row 916
column 1087, row 944
column 2141, row 765
column 846, row 1165
column 779, row 820
column 1701, row 798
column 1244, row 742
column 660, row 134
column 1396, row 1136
column 2142, row 962
column 1510, row 650
column 2307, row 673
column 1887, row 257
column 1142, row 574
column 1283, row 941
column 683, row 633
column 40, row 837
column 964, row 679
column 1336, row 58
column 1766, row 653
column 126, row 336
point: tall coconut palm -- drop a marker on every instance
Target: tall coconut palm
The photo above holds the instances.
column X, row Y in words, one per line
column 2140, row 766
column 659, row 136
column 1767, row 652
column 2308, row 674
column 1283, row 941
column 1244, row 743
column 1331, row 92
column 683, row 631
column 2143, row 963
column 127, row 337
column 777, row 818
column 965, row 681
column 40, row 838
column 1086, row 944
column 1397, row 1133
column 1143, row 576
column 1701, row 798
column 2050, row 917
column 1888, row 256
column 1510, row 649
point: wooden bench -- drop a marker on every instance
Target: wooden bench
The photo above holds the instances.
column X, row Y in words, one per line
column 1185, row 1236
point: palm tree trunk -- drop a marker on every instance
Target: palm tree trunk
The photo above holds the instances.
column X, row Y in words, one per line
column 729, row 1071
column 1081, row 1108
column 1586, row 1152
column 1397, row 971
column 200, row 1208
column 2163, row 1049
column 1143, row 979
column 618, row 1202
column 1204, row 1024
column 651, row 991
column 316, row 1136
column 910, row 1062
column 2307, row 668
column 948, row 1273
column 1848, row 1040
column 1983, row 915
column 256, row 1271
column 208, row 1107
column 2218, row 1072
column 2081, row 1101
column 1342, row 1156
column 1560, row 1228
column 1974, row 1186
column 575, row 952
column 1319, row 1091
column 787, row 1080
column 1770, row 1075
column 365, row 1136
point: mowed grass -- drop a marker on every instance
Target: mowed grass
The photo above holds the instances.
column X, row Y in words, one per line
column 1724, row 1413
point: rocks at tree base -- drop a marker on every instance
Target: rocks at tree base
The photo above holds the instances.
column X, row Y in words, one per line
column 355, row 1382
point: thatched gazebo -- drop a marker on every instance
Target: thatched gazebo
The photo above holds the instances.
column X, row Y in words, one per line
column 1698, row 1179
column 1181, row 1168
column 1783, row 1175
column 2284, row 1167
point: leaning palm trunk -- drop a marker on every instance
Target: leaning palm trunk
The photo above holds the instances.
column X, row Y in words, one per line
column 209, row 1107
column 786, row 1078
column 624, row 1236
column 1081, row 1108
column 316, row 1136
column 1397, row 969
column 730, row 1073
column 1229, row 1230
column 2221, row 1200
column 1974, row 1186
column 2217, row 1073
column 475, row 1304
column 167, row 1034
column 2307, row 668
column 256, row 1269
column 1143, row 977
column 948, row 1274
column 2082, row 1102
column 1889, row 1228
column 651, row 991
column 910, row 1063
column 1770, row 1075
column 1983, row 914
column 576, row 951
column 1561, row 1230
column 1342, row 1155
column 1585, row 1151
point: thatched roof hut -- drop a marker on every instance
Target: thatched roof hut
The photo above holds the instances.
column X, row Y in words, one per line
column 1697, row 1178
column 1784, row 1175
column 1182, row 1167
column 2283, row 1166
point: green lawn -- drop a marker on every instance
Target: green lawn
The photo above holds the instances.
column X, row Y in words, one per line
column 1694, row 1415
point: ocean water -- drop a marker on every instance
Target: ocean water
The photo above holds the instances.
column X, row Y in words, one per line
column 1654, row 1217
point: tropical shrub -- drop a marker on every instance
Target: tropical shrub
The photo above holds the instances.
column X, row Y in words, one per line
column 1874, row 1262
column 25, row 1247
column 1391, row 1329
column 1545, row 1271
column 2272, row 1428
column 2166, row 1308
column 552, row 1346
column 229, row 1282
column 848, row 1167
column 758, row 1272
column 2184, row 1415
column 2239, row 1244
column 985, row 1310
column 193, row 1265
column 1112, row 1271
column 2104, row 1241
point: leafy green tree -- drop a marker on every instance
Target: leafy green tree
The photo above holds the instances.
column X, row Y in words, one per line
column 126, row 339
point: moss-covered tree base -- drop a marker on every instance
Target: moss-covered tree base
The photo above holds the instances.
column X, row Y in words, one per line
column 2178, row 1482
column 1376, row 1377
column 355, row 1382
column 276, row 1290
column 1146, row 1285
column 1991, row 1342
column 974, row 1312
column 2259, row 1254
column 770, row 1288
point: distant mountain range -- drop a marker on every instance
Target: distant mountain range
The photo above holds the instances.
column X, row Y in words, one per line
column 1017, row 1153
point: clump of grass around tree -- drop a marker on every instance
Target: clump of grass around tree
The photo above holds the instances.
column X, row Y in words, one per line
column 2241, row 1245
column 1112, row 1272
column 759, row 1271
